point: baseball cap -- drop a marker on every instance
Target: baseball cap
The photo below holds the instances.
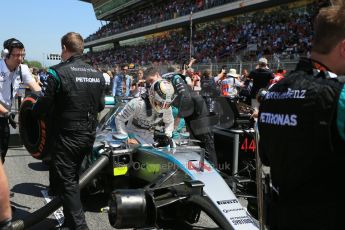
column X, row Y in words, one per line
column 263, row 60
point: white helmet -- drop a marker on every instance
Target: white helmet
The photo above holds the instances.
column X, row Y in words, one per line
column 161, row 95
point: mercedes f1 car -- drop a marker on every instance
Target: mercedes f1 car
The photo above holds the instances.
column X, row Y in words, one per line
column 148, row 186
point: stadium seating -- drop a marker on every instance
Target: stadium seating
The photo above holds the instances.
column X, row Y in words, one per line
column 284, row 32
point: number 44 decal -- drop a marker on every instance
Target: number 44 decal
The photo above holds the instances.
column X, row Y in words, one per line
column 248, row 145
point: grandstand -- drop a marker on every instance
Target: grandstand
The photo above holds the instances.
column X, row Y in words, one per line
column 216, row 32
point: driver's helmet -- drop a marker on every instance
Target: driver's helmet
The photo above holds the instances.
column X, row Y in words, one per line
column 161, row 95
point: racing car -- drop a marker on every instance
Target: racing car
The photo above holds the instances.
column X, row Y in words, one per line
column 177, row 182
column 148, row 186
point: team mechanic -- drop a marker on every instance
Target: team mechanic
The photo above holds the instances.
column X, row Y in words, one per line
column 302, row 134
column 192, row 108
column 12, row 74
column 149, row 117
column 76, row 90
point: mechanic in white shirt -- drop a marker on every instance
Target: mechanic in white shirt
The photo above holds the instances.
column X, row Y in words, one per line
column 149, row 115
column 12, row 74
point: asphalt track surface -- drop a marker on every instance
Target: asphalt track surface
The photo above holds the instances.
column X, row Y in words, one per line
column 28, row 177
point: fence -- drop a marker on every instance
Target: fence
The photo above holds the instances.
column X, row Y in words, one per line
column 239, row 66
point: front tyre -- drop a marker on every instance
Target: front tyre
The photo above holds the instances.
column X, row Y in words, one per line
column 36, row 133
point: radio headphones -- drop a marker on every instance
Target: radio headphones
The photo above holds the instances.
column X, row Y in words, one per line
column 9, row 45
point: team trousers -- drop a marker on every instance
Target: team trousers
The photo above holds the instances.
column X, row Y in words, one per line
column 71, row 148
column 4, row 137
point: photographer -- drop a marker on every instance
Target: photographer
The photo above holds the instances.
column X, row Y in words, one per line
column 196, row 81
column 138, row 85
column 188, row 72
column 221, row 76
column 230, row 84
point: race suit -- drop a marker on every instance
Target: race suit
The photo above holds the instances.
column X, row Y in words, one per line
column 142, row 123
column 75, row 92
column 302, row 139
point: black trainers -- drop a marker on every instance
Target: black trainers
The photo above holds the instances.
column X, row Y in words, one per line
column 63, row 227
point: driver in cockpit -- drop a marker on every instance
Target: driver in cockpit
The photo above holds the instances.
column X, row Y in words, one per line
column 149, row 118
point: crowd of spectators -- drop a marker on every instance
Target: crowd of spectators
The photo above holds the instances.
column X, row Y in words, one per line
column 148, row 15
column 280, row 33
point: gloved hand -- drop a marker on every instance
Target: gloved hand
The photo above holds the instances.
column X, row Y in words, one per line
column 11, row 116
column 162, row 140
column 261, row 94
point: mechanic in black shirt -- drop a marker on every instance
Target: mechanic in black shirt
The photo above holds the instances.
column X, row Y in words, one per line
column 302, row 133
column 209, row 90
column 261, row 77
column 75, row 91
column 192, row 108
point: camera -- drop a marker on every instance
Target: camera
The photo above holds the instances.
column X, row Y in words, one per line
column 223, row 69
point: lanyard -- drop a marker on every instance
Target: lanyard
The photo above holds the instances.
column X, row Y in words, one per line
column 12, row 78
column 319, row 66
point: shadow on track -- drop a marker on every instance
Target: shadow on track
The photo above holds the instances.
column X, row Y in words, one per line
column 94, row 203
column 38, row 166
column 46, row 224
column 20, row 211
column 31, row 189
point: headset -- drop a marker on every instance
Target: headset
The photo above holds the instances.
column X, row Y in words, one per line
column 9, row 45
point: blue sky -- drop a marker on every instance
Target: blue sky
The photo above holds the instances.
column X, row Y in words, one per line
column 40, row 24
